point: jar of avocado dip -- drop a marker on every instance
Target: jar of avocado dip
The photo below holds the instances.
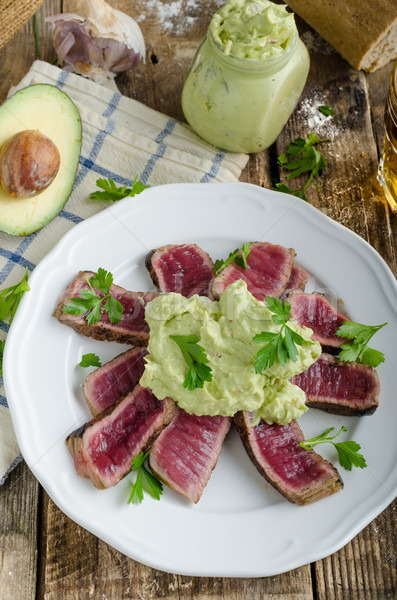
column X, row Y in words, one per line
column 246, row 76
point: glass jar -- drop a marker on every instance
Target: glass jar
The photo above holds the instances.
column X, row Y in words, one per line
column 387, row 174
column 242, row 104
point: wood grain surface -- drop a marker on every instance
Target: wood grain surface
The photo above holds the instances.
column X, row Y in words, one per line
column 46, row 556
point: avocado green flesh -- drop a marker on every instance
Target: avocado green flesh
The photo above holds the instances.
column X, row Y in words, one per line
column 225, row 330
column 49, row 110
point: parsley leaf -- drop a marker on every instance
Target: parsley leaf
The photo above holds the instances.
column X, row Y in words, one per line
column 347, row 451
column 90, row 303
column 113, row 193
column 90, row 360
column 282, row 187
column 239, row 256
column 326, row 110
column 153, row 486
column 357, row 350
column 302, row 157
column 196, row 359
column 2, row 344
column 10, row 298
column 281, row 345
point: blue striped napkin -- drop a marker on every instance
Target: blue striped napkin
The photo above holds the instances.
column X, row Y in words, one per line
column 121, row 138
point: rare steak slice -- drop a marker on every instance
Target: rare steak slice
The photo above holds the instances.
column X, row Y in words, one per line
column 186, row 452
column 114, row 379
column 298, row 279
column 132, row 329
column 103, row 448
column 316, row 311
column 185, row 269
column 302, row 476
column 339, row 387
column 268, row 271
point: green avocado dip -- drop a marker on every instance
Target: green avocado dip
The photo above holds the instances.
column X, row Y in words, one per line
column 253, row 28
column 225, row 330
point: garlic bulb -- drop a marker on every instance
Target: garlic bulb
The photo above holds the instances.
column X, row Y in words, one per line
column 98, row 41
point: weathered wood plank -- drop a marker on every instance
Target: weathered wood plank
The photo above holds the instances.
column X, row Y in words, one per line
column 18, row 535
column 366, row 568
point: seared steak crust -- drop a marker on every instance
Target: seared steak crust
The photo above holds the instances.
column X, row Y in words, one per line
column 340, row 388
column 316, row 311
column 114, row 379
column 132, row 329
column 268, row 271
column 301, row 476
column 103, row 448
column 184, row 268
column 187, row 451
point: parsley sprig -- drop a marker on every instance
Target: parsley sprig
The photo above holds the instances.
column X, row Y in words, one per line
column 281, row 345
column 196, row 359
column 90, row 360
column 302, row 157
column 90, row 303
column 348, row 454
column 10, row 298
column 358, row 350
column 9, row 301
column 239, row 256
column 153, row 486
column 113, row 193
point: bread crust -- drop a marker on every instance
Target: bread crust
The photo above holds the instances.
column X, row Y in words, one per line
column 364, row 33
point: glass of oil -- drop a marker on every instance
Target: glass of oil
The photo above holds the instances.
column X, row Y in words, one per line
column 387, row 172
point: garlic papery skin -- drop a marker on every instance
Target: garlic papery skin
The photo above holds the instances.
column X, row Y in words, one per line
column 98, row 41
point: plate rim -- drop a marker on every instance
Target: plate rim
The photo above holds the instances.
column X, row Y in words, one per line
column 128, row 206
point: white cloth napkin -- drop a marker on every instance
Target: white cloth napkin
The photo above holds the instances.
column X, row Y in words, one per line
column 121, row 138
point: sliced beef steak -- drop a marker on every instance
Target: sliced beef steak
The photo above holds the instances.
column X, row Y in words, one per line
column 298, row 279
column 132, row 329
column 185, row 269
column 116, row 378
column 302, row 476
column 340, row 388
column 268, row 271
column 316, row 311
column 103, row 448
column 187, row 451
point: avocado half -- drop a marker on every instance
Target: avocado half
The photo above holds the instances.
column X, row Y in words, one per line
column 45, row 108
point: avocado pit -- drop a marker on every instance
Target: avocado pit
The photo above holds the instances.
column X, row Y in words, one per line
column 29, row 162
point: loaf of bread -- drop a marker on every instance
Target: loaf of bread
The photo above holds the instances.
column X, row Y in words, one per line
column 364, row 32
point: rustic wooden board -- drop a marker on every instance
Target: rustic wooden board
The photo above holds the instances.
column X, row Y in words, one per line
column 19, row 517
column 72, row 563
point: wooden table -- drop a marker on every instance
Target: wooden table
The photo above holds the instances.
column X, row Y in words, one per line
column 43, row 554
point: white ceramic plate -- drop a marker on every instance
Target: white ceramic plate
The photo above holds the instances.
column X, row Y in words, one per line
column 241, row 526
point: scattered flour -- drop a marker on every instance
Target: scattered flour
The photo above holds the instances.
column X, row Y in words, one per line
column 316, row 121
column 316, row 44
column 177, row 16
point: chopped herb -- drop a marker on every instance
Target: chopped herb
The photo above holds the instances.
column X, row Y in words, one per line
column 90, row 303
column 302, row 157
column 10, row 298
column 347, row 451
column 113, row 193
column 326, row 110
column 357, row 350
column 90, row 360
column 196, row 360
column 281, row 345
column 239, row 256
column 153, row 486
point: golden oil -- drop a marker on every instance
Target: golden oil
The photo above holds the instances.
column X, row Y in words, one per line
column 387, row 173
